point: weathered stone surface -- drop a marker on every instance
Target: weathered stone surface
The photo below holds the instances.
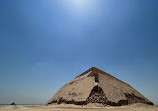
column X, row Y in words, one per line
column 96, row 86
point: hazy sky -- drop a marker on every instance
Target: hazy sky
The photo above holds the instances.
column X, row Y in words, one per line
column 46, row 43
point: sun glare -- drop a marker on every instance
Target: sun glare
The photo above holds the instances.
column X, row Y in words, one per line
column 78, row 3
column 80, row 7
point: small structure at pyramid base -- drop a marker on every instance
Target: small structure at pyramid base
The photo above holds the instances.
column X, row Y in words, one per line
column 13, row 103
column 97, row 86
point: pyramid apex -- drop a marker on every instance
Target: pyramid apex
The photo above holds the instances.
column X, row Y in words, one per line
column 96, row 70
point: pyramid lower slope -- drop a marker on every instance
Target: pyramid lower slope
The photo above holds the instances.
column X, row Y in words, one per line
column 96, row 86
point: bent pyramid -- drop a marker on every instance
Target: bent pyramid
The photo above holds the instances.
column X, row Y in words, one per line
column 97, row 86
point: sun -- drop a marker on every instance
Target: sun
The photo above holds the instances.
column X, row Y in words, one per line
column 78, row 3
column 79, row 7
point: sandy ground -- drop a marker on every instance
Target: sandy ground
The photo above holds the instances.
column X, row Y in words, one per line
column 135, row 107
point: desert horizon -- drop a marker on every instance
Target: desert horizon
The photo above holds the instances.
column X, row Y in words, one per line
column 71, row 107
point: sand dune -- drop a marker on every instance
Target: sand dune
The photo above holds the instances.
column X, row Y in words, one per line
column 135, row 107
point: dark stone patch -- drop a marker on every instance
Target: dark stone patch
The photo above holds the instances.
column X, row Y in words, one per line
column 61, row 100
column 131, row 98
column 122, row 102
column 97, row 96
column 71, row 82
column 95, row 75
column 73, row 94
column 13, row 103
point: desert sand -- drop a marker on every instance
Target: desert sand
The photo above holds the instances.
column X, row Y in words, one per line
column 63, row 107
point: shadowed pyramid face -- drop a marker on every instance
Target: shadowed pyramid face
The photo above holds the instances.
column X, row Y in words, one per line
column 97, row 86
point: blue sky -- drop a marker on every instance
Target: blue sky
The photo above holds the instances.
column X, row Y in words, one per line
column 46, row 43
